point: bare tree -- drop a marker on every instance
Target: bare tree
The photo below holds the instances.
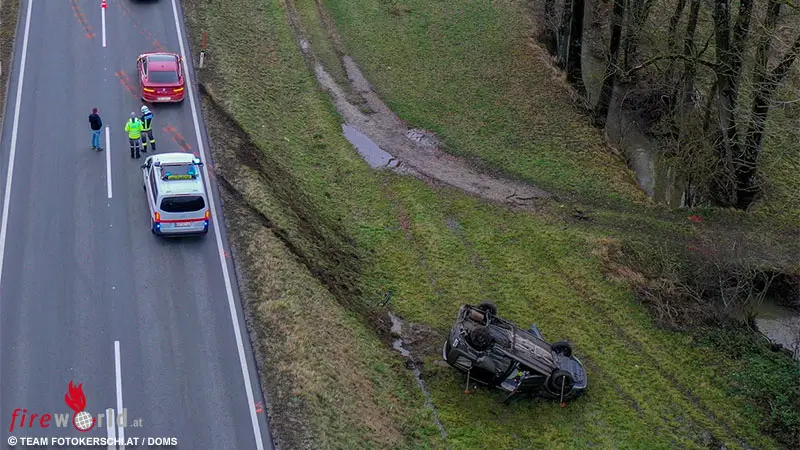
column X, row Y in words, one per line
column 637, row 13
column 729, row 47
column 607, row 90
column 549, row 34
column 765, row 83
column 570, row 41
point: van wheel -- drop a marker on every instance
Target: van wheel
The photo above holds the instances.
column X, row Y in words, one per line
column 481, row 338
column 562, row 348
column 561, row 378
column 488, row 307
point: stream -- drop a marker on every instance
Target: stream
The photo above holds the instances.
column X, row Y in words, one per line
column 780, row 324
column 624, row 131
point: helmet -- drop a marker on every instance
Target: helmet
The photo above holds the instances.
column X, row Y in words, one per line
column 133, row 114
column 145, row 110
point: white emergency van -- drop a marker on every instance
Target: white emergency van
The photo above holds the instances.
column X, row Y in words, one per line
column 176, row 194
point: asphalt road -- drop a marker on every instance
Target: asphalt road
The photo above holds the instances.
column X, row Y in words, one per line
column 87, row 293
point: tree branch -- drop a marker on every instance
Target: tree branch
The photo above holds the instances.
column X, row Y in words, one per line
column 656, row 59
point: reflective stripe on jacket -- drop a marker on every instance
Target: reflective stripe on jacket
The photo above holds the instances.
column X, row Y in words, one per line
column 134, row 128
column 147, row 121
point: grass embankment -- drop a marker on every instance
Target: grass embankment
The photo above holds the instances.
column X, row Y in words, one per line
column 304, row 203
column 9, row 13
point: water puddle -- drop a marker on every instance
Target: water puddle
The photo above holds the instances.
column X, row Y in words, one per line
column 381, row 136
column 780, row 324
column 399, row 345
column 370, row 151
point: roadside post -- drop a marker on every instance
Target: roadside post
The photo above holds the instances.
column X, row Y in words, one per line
column 203, row 50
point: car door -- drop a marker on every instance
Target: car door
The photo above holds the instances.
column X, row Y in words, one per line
column 150, row 185
column 146, row 170
column 142, row 70
column 180, row 70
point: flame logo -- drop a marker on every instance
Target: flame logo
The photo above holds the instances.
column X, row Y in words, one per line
column 75, row 398
column 81, row 420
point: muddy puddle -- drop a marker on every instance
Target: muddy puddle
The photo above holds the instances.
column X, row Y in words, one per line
column 370, row 151
column 780, row 324
column 385, row 141
column 399, row 345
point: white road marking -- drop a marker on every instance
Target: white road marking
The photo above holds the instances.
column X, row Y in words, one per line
column 120, row 429
column 108, row 159
column 13, row 153
column 216, row 225
column 103, row 15
column 112, row 433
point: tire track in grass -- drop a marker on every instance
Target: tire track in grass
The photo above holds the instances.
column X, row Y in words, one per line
column 703, row 415
column 406, row 224
column 569, row 313
column 653, row 422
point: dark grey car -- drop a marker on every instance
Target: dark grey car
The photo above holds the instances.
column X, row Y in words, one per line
column 497, row 353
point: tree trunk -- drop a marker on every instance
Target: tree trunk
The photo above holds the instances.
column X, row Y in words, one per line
column 740, row 32
column 765, row 84
column 638, row 11
column 729, row 51
column 672, row 31
column 574, row 67
column 564, row 29
column 689, row 51
column 549, row 37
column 607, row 90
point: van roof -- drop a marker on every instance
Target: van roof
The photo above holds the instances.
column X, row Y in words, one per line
column 180, row 186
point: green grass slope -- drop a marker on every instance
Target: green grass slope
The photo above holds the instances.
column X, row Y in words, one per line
column 320, row 238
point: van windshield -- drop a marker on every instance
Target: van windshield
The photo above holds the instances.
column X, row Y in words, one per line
column 182, row 204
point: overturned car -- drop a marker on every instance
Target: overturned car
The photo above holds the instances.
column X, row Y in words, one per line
column 495, row 352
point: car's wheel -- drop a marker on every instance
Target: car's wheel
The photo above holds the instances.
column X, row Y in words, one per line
column 562, row 348
column 489, row 308
column 561, row 378
column 481, row 338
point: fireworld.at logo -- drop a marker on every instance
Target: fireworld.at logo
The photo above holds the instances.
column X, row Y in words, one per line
column 82, row 420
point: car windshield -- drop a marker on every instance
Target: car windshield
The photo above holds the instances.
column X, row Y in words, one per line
column 182, row 204
column 162, row 76
column 178, row 171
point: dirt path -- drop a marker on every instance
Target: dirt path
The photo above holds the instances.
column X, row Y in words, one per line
column 416, row 151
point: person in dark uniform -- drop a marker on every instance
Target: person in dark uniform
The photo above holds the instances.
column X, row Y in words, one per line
column 147, row 129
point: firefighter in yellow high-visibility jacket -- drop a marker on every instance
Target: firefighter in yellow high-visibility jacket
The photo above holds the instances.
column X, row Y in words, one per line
column 134, row 129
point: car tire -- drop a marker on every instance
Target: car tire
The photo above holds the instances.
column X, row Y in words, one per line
column 481, row 338
column 562, row 348
column 489, row 308
column 555, row 381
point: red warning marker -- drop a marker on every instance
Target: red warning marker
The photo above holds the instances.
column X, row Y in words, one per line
column 259, row 408
column 104, row 5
